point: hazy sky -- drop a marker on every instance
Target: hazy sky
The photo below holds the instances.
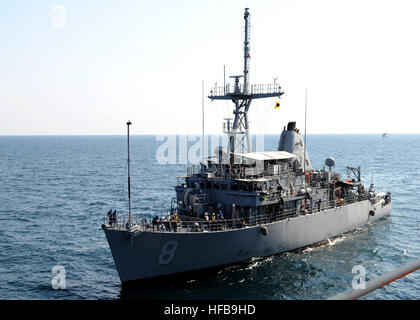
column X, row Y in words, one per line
column 110, row 61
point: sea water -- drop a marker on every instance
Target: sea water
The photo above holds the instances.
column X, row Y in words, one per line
column 56, row 190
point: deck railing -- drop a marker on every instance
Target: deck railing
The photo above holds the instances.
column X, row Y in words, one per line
column 269, row 88
column 192, row 224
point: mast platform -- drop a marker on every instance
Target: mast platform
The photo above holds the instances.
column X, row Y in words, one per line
column 237, row 92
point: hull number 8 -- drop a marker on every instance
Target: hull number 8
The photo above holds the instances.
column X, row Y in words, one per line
column 168, row 252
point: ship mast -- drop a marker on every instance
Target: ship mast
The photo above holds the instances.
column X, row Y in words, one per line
column 304, row 149
column 242, row 96
column 202, row 121
column 246, row 50
column 128, row 165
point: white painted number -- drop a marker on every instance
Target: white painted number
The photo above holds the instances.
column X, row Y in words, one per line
column 168, row 252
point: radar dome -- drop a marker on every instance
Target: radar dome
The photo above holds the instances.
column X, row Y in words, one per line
column 330, row 162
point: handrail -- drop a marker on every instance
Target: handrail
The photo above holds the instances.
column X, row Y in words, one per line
column 254, row 89
column 203, row 225
column 234, row 173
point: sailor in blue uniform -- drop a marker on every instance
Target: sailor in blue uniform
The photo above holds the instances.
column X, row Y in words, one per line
column 155, row 222
column 109, row 214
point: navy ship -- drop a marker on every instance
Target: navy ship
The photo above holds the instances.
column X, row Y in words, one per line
column 242, row 204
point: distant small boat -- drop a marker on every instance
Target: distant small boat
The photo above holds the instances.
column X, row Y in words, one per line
column 385, row 135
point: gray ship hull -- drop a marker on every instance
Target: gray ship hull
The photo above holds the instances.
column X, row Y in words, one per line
column 147, row 254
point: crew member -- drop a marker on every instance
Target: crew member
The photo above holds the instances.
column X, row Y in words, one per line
column 109, row 214
column 114, row 217
column 175, row 222
column 213, row 217
column 156, row 222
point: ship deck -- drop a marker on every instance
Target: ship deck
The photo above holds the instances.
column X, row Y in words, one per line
column 194, row 224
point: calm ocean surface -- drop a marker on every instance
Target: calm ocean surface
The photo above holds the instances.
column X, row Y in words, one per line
column 55, row 191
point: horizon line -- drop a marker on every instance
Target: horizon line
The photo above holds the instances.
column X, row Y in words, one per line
column 195, row 134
